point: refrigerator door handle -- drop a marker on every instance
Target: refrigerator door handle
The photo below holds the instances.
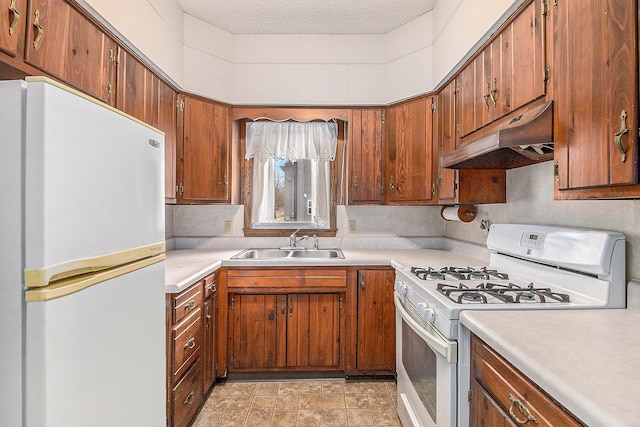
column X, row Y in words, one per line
column 76, row 284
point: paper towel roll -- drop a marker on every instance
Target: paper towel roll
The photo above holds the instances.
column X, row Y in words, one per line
column 465, row 213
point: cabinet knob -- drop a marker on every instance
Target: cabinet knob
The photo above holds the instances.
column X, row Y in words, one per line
column 191, row 343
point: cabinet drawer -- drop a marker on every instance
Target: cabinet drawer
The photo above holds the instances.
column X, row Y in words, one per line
column 506, row 384
column 210, row 284
column 187, row 339
column 187, row 396
column 287, row 278
column 187, row 302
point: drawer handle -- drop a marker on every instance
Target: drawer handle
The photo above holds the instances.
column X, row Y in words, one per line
column 212, row 287
column 523, row 410
column 191, row 343
column 190, row 398
column 190, row 305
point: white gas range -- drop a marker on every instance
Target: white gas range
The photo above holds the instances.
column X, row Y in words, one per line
column 531, row 267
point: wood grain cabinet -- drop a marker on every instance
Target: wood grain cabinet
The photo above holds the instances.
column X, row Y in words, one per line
column 284, row 319
column 204, row 151
column 409, row 153
column 595, row 87
column 209, row 327
column 461, row 186
column 366, row 157
column 64, row 43
column 508, row 73
column 184, row 355
column 376, row 345
column 13, row 18
column 501, row 395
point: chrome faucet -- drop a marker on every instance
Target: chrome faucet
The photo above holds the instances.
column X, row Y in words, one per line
column 293, row 240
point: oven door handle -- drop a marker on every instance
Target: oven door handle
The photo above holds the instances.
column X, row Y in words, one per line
column 448, row 349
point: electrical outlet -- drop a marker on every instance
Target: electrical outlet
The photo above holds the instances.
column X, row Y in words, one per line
column 228, row 227
column 351, row 226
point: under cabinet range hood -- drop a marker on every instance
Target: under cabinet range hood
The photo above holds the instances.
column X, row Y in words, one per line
column 513, row 141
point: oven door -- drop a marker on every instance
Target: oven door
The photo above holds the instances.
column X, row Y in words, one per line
column 426, row 366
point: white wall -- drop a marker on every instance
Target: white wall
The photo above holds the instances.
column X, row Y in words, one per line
column 154, row 27
column 302, row 69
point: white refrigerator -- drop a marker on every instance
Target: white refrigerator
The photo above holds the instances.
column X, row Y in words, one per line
column 82, row 300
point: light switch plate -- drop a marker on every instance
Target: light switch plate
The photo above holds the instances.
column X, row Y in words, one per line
column 228, row 227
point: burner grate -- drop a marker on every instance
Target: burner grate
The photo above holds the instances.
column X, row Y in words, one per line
column 500, row 293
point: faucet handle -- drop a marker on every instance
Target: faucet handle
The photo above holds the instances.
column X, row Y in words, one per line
column 315, row 243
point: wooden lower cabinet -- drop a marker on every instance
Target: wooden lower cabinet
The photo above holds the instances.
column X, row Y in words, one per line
column 376, row 342
column 502, row 396
column 286, row 319
column 191, row 338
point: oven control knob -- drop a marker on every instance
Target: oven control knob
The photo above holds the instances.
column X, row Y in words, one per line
column 429, row 315
column 401, row 288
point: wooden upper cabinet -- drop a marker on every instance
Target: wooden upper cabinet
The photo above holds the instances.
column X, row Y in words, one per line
column 409, row 153
column 595, row 86
column 508, row 73
column 137, row 88
column 13, row 18
column 464, row 186
column 47, row 35
column 64, row 43
column 366, row 157
column 167, row 122
column 446, row 113
column 204, row 152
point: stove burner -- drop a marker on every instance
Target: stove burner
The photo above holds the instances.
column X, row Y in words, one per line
column 500, row 293
column 457, row 273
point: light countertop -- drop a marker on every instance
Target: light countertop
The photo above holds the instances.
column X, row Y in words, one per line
column 589, row 361
column 187, row 266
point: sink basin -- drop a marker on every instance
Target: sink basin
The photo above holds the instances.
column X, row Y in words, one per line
column 318, row 253
column 263, row 253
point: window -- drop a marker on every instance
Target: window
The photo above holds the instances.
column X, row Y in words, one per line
column 291, row 173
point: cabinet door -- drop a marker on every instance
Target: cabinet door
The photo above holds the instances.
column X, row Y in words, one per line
column 13, row 16
column 166, row 122
column 484, row 410
column 376, row 322
column 90, row 59
column 258, row 328
column 135, row 88
column 409, row 153
column 595, row 92
column 313, row 331
column 209, row 343
column 465, row 102
column 205, row 155
column 47, row 35
column 523, row 59
column 447, row 132
column 366, row 174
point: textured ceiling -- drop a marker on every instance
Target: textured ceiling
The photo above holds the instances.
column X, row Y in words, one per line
column 307, row 16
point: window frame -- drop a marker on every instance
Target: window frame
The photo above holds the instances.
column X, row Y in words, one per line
column 242, row 115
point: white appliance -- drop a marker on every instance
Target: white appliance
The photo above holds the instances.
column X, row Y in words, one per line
column 531, row 267
column 82, row 305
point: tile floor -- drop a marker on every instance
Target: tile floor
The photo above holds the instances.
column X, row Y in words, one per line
column 308, row 403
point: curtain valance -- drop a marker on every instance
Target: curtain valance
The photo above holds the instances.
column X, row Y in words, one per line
column 292, row 140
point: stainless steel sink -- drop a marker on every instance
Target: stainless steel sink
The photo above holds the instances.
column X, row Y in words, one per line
column 265, row 253
column 318, row 253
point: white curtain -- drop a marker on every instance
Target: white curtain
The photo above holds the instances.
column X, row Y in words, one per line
column 268, row 141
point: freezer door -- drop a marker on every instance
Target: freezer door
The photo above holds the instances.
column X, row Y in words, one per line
column 97, row 357
column 94, row 182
